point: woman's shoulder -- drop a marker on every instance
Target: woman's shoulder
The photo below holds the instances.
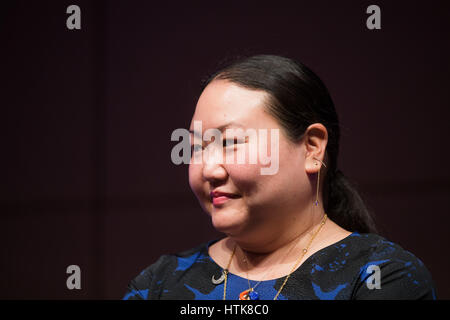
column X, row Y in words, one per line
column 399, row 272
column 377, row 248
column 150, row 279
column 178, row 261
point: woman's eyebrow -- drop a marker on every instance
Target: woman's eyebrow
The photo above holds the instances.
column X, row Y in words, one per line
column 220, row 128
column 229, row 125
column 196, row 133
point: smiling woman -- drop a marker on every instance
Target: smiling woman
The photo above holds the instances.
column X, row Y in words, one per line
column 302, row 232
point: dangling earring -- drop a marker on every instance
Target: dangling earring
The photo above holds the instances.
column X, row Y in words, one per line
column 316, row 203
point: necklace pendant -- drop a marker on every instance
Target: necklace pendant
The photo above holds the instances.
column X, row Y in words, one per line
column 249, row 294
column 244, row 295
column 221, row 279
column 253, row 295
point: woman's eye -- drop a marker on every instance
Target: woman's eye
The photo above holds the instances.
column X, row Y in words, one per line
column 231, row 142
column 196, row 148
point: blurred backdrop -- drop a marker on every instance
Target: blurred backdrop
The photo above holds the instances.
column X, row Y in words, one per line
column 87, row 115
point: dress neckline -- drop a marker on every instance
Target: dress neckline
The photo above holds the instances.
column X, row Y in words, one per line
column 299, row 268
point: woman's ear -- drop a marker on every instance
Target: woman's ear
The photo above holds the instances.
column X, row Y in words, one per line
column 316, row 139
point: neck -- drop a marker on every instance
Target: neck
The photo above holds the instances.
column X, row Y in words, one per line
column 262, row 251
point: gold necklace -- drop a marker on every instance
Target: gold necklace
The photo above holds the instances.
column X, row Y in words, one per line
column 248, row 294
column 251, row 294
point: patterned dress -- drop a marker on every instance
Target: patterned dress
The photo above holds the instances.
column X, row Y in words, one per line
column 360, row 266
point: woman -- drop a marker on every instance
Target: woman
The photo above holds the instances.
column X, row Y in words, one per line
column 300, row 233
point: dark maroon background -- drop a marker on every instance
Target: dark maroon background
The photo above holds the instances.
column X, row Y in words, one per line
column 86, row 175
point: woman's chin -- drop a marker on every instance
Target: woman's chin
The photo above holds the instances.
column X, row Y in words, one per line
column 227, row 221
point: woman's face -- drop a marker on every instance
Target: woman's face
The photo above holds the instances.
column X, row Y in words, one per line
column 241, row 201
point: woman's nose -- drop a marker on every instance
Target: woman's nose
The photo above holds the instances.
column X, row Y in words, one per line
column 213, row 169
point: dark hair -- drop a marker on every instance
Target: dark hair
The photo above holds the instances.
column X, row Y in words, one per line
column 297, row 99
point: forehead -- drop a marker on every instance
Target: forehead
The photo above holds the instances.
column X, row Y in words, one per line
column 222, row 102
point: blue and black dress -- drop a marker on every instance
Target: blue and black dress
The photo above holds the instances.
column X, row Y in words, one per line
column 360, row 266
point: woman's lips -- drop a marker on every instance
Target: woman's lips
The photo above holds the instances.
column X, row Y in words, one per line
column 218, row 198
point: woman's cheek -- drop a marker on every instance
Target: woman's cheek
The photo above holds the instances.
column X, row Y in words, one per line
column 244, row 176
column 195, row 178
